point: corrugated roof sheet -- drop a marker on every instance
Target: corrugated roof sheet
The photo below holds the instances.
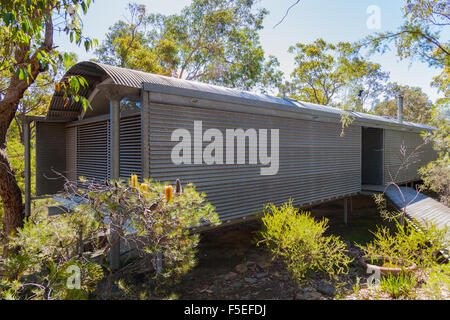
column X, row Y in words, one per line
column 95, row 73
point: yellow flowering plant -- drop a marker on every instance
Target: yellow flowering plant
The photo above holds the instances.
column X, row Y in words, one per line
column 151, row 217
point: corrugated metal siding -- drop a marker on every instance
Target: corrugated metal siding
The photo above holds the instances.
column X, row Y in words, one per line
column 315, row 162
column 393, row 141
column 71, row 153
column 93, row 150
column 50, row 157
column 130, row 147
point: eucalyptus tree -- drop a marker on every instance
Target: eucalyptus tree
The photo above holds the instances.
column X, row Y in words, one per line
column 333, row 74
column 213, row 41
column 416, row 104
column 27, row 49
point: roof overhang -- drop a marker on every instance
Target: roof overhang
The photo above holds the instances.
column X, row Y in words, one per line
column 172, row 90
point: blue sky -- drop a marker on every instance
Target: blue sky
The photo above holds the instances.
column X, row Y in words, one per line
column 332, row 20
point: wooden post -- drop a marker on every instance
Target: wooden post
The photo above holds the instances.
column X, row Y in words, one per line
column 27, row 155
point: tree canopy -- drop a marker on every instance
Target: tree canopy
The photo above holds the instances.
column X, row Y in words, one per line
column 327, row 73
column 27, row 50
column 416, row 104
column 213, row 41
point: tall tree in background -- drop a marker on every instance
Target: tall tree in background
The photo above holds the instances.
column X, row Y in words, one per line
column 417, row 105
column 213, row 41
column 27, row 50
column 327, row 74
column 419, row 38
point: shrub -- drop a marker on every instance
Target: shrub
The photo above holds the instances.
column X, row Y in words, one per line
column 48, row 252
column 142, row 216
column 436, row 177
column 406, row 246
column 44, row 260
column 299, row 240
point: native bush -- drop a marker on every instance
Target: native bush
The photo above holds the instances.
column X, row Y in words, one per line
column 150, row 217
column 299, row 240
column 48, row 253
column 44, row 261
column 436, row 177
column 406, row 245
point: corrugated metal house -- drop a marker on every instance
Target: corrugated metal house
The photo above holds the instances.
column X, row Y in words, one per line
column 129, row 130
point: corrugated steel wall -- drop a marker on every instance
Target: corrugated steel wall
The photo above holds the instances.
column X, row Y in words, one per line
column 393, row 159
column 315, row 162
column 93, row 150
column 71, row 153
column 130, row 146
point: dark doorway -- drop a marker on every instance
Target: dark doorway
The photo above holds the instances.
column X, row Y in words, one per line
column 372, row 156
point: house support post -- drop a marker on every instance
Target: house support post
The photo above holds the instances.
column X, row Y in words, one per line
column 345, row 211
column 115, row 172
column 351, row 205
column 27, row 155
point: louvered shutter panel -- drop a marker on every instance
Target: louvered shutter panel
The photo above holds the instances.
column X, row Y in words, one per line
column 93, row 151
column 130, row 147
column 50, row 157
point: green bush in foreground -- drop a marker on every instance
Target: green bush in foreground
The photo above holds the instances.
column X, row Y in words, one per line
column 48, row 253
column 299, row 240
column 44, row 260
column 406, row 246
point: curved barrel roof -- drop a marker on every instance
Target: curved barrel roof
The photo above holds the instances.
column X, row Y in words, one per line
column 96, row 73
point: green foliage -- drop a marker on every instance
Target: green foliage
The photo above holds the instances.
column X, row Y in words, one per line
column 437, row 285
column 43, row 253
column 47, row 251
column 213, row 41
column 299, row 240
column 401, row 285
column 142, row 216
column 416, row 104
column 419, row 35
column 324, row 71
column 406, row 246
column 27, row 43
column 436, row 177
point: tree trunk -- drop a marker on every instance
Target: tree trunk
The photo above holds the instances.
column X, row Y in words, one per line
column 9, row 190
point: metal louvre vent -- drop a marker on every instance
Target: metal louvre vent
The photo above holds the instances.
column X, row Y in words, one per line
column 130, row 147
column 93, row 151
column 50, row 157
